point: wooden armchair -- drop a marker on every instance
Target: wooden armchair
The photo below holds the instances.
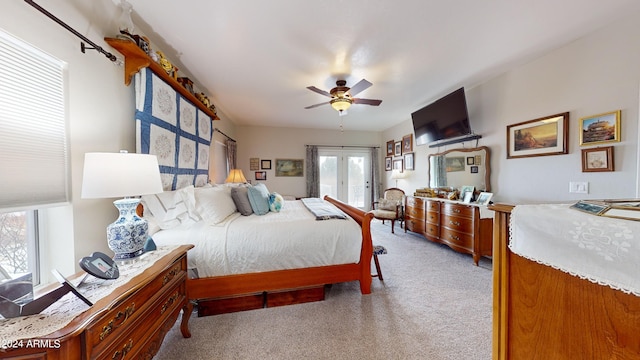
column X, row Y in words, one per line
column 389, row 207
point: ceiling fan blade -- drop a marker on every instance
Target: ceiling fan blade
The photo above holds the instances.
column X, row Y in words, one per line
column 360, row 86
column 319, row 91
column 316, row 105
column 367, row 101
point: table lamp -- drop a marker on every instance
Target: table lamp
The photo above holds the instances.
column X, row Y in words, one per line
column 236, row 176
column 397, row 174
column 113, row 175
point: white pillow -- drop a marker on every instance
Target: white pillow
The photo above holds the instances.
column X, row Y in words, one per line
column 170, row 209
column 214, row 204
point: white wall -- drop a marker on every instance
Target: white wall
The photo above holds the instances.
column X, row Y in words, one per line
column 596, row 74
column 287, row 143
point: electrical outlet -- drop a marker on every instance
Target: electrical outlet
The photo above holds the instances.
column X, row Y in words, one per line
column 579, row 187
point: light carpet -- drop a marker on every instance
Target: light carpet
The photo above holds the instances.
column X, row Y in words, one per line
column 434, row 303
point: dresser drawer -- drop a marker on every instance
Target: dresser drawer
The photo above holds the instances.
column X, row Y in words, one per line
column 433, row 217
column 126, row 313
column 456, row 239
column 432, row 230
column 133, row 340
column 416, row 213
column 414, row 225
column 457, row 209
column 414, row 202
column 457, row 223
column 432, row 205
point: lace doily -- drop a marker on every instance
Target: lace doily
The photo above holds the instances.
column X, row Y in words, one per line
column 603, row 250
column 63, row 311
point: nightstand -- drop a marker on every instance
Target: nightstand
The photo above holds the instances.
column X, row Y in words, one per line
column 129, row 321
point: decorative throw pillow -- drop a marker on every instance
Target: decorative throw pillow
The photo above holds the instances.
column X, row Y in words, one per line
column 384, row 204
column 214, row 204
column 240, row 197
column 259, row 199
column 276, row 201
column 170, row 209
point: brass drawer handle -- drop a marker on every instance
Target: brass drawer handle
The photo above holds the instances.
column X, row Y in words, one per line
column 170, row 275
column 456, row 223
column 454, row 237
column 120, row 319
column 169, row 302
column 120, row 354
column 456, row 210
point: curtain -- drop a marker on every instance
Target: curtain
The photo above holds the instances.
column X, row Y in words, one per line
column 232, row 154
column 439, row 167
column 313, row 172
column 375, row 175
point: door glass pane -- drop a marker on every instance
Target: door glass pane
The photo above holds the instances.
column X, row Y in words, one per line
column 329, row 176
column 356, row 181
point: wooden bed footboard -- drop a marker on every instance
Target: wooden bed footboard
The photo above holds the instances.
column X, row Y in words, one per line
column 543, row 313
column 241, row 284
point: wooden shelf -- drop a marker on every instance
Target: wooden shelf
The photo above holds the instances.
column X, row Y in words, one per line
column 136, row 59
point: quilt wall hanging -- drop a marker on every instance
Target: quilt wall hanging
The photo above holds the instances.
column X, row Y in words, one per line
column 174, row 129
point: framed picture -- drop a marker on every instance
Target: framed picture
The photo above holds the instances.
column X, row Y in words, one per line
column 597, row 159
column 455, row 163
column 601, row 128
column 588, row 207
column 253, row 164
column 474, row 169
column 265, row 164
column 470, row 160
column 397, row 148
column 390, row 148
column 388, row 165
column 408, row 161
column 398, row 165
column 289, row 167
column 478, row 160
column 544, row 136
column 466, row 193
column 261, row 175
column 484, row 198
column 407, row 143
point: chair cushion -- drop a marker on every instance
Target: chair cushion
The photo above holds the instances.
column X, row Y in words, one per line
column 384, row 214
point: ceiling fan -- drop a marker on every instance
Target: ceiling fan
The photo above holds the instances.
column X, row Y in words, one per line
column 342, row 96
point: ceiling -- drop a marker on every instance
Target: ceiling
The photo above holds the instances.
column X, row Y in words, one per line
column 255, row 58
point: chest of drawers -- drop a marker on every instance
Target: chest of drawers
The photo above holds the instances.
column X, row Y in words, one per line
column 129, row 323
column 455, row 224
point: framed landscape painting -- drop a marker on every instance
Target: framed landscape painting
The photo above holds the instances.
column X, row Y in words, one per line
column 289, row 167
column 539, row 137
column 601, row 128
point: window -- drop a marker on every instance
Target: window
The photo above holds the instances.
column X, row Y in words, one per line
column 33, row 150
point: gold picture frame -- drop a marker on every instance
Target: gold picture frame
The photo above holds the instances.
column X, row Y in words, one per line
column 390, row 147
column 600, row 129
column 539, row 137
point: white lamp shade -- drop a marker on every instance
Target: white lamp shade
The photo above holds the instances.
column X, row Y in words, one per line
column 116, row 175
column 236, row 176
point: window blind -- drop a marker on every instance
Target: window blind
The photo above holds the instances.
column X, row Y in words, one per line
column 33, row 140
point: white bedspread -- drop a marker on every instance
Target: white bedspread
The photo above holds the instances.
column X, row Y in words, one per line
column 600, row 249
column 289, row 239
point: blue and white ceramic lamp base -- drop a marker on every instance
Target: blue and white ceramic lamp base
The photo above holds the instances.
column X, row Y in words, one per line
column 127, row 235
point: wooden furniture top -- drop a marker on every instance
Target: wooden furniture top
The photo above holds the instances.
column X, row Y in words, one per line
column 136, row 59
column 110, row 301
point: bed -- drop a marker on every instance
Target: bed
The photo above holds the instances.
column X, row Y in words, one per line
column 541, row 312
column 234, row 272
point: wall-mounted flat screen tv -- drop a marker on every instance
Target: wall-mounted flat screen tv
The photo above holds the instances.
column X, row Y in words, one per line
column 445, row 118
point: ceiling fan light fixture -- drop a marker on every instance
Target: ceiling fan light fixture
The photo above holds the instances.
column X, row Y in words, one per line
column 340, row 104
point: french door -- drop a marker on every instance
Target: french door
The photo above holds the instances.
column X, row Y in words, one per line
column 346, row 175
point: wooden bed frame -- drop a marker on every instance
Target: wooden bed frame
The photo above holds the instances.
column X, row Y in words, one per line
column 543, row 313
column 251, row 283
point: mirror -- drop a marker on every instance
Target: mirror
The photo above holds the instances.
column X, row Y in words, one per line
column 460, row 167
